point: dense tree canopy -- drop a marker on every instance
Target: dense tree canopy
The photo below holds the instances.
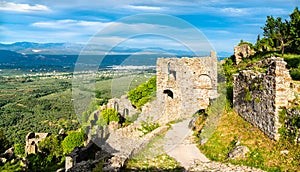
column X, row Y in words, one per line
column 280, row 34
column 4, row 143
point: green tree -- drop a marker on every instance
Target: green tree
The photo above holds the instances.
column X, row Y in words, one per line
column 4, row 143
column 52, row 146
column 74, row 139
column 277, row 30
column 295, row 30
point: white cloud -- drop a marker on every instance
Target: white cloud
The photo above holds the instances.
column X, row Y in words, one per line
column 234, row 11
column 68, row 24
column 144, row 8
column 11, row 6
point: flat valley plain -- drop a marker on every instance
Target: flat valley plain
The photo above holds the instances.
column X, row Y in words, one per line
column 43, row 102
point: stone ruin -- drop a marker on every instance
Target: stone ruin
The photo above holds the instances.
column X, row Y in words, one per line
column 184, row 86
column 258, row 97
column 241, row 52
column 123, row 106
column 32, row 141
column 80, row 154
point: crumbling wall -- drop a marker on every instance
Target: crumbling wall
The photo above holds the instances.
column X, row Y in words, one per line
column 258, row 97
column 123, row 106
column 241, row 52
column 185, row 85
column 32, row 140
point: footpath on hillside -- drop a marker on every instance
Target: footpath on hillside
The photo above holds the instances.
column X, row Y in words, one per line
column 178, row 143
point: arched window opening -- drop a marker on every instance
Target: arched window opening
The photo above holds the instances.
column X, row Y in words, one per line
column 116, row 106
column 205, row 81
column 125, row 112
column 169, row 93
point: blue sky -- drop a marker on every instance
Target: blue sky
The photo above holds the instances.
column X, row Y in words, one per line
column 223, row 22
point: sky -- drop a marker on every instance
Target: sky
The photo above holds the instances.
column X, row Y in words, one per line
column 223, row 22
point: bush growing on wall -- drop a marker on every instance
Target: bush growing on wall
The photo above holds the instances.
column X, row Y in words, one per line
column 74, row 139
column 108, row 115
column 143, row 93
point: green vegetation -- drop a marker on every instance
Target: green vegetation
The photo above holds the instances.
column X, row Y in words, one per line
column 19, row 149
column 108, row 115
column 43, row 105
column 248, row 95
column 282, row 35
column 3, row 141
column 281, row 38
column 130, row 120
column 51, row 156
column 74, row 139
column 143, row 93
column 147, row 127
column 264, row 152
column 288, row 136
column 14, row 166
column 52, row 147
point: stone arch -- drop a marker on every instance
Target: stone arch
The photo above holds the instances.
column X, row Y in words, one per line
column 169, row 93
column 205, row 81
column 116, row 106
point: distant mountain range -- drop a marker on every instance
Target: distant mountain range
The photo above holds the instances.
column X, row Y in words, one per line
column 74, row 49
column 43, row 48
column 63, row 56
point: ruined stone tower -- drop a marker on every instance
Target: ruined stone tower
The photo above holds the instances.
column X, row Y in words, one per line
column 185, row 85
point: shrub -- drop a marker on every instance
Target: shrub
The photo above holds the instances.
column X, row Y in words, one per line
column 147, row 127
column 52, row 146
column 295, row 74
column 108, row 115
column 143, row 93
column 19, row 149
column 74, row 139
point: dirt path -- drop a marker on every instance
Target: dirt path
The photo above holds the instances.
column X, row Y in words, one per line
column 177, row 144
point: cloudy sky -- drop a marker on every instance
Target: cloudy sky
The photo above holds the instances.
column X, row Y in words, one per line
column 223, row 22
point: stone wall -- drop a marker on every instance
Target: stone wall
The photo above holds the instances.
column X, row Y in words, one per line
column 257, row 97
column 241, row 52
column 80, row 154
column 123, row 106
column 32, row 140
column 185, row 85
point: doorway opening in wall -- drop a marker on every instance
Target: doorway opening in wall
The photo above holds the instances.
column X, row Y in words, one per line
column 169, row 93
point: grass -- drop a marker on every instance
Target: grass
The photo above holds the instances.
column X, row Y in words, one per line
column 264, row 152
column 153, row 158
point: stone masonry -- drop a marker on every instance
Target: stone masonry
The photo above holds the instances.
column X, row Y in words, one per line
column 241, row 52
column 258, row 97
column 32, row 140
column 123, row 106
column 184, row 86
